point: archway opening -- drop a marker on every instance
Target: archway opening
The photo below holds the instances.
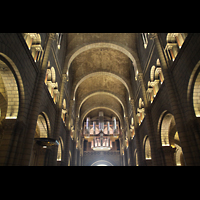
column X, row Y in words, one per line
column 170, row 141
column 9, row 93
column 41, row 152
column 60, row 150
column 196, row 96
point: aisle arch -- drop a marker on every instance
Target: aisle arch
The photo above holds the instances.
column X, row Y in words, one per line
column 12, row 89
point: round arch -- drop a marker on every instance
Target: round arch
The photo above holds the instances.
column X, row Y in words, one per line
column 123, row 81
column 40, row 154
column 167, row 129
column 102, row 93
column 193, row 92
column 169, row 139
column 60, row 149
column 53, row 75
column 13, row 88
column 147, row 148
column 102, row 163
column 128, row 52
column 43, row 128
column 136, row 158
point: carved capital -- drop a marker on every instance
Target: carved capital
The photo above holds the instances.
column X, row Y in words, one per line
column 132, row 103
column 152, row 36
column 126, row 120
column 140, row 76
column 64, row 78
column 52, row 36
column 77, row 120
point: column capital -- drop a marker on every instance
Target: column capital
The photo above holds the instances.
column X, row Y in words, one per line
column 140, row 76
column 77, row 119
column 132, row 102
column 152, row 36
column 64, row 77
column 126, row 119
column 52, row 36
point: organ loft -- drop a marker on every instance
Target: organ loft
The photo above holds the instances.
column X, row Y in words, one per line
column 99, row 99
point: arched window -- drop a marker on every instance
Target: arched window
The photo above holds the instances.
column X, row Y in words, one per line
column 64, row 112
column 174, row 43
column 40, row 152
column 50, row 81
column 43, row 126
column 156, row 80
column 56, row 93
column 53, row 75
column 147, row 148
column 132, row 128
column 59, row 38
column 33, row 41
column 60, row 149
column 136, row 158
column 140, row 111
column 193, row 93
column 170, row 140
column 196, row 96
column 145, row 39
column 9, row 93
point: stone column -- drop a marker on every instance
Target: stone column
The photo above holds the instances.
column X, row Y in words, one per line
column 131, row 154
column 121, row 146
column 74, row 153
column 169, row 155
column 17, row 143
column 76, row 135
column 127, row 128
column 58, row 119
column 67, row 147
column 71, row 107
column 137, row 137
column 154, row 154
column 35, row 107
column 6, row 137
column 126, row 156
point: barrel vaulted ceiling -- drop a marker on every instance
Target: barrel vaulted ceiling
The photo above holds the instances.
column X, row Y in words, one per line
column 99, row 67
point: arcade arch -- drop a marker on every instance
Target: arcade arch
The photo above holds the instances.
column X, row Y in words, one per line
column 40, row 152
column 102, row 74
column 12, row 93
column 170, row 140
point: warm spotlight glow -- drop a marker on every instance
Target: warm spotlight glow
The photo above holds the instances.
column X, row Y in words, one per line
column 11, row 117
